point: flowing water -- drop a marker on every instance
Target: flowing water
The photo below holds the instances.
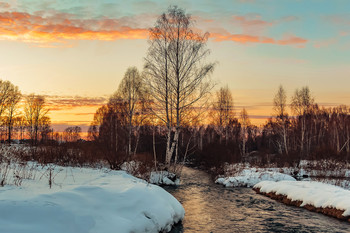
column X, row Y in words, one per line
column 213, row 208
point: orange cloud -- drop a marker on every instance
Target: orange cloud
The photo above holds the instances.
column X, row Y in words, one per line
column 58, row 28
column 4, row 5
column 57, row 103
column 252, row 29
column 325, row 43
column 243, row 38
column 251, row 22
column 292, row 40
column 55, row 29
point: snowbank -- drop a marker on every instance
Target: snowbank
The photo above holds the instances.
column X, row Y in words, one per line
column 314, row 195
column 310, row 168
column 87, row 200
column 250, row 177
column 164, row 178
column 325, row 171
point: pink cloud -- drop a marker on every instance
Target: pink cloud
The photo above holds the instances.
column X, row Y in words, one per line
column 292, row 40
column 58, row 103
column 344, row 33
column 325, row 43
column 338, row 19
column 243, row 38
column 251, row 24
column 4, row 5
column 57, row 28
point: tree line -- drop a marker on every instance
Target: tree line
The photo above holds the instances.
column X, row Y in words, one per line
column 22, row 119
column 25, row 117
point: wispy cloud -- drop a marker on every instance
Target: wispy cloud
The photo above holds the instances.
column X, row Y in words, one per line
column 57, row 103
column 243, row 38
column 251, row 24
column 325, row 43
column 341, row 23
column 252, row 28
column 52, row 27
column 4, row 5
column 343, row 20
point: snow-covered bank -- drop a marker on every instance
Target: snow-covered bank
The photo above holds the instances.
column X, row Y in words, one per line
column 325, row 171
column 87, row 200
column 164, row 178
column 315, row 196
column 250, row 177
column 310, row 168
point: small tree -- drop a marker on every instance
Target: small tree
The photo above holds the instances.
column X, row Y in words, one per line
column 20, row 124
column 14, row 96
column 245, row 123
column 280, row 107
column 6, row 87
column 223, row 111
column 130, row 89
column 35, row 113
column 301, row 105
column 72, row 134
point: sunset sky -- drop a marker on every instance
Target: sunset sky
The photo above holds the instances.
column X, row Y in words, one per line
column 76, row 52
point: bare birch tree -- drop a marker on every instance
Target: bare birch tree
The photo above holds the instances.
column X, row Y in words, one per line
column 175, row 70
column 72, row 133
column 5, row 89
column 130, row 89
column 223, row 111
column 280, row 108
column 245, row 123
column 14, row 96
column 35, row 113
column 301, row 104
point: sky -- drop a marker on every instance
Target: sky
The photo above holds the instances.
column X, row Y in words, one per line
column 76, row 52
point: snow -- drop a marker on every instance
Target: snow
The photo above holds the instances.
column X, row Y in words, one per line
column 310, row 193
column 164, row 178
column 326, row 171
column 250, row 177
column 313, row 168
column 86, row 200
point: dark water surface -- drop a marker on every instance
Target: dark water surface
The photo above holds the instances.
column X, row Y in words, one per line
column 213, row 208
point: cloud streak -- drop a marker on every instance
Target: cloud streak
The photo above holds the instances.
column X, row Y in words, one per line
column 244, row 38
column 57, row 103
column 49, row 28
column 59, row 27
column 251, row 28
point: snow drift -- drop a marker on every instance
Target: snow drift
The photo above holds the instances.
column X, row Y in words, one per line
column 88, row 200
column 315, row 196
column 250, row 177
column 164, row 178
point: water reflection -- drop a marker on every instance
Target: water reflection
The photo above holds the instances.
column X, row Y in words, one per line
column 213, row 208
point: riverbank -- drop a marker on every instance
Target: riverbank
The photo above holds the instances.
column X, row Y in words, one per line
column 325, row 171
column 250, row 177
column 314, row 196
column 65, row 199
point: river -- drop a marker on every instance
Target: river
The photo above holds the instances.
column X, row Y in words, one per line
column 213, row 208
